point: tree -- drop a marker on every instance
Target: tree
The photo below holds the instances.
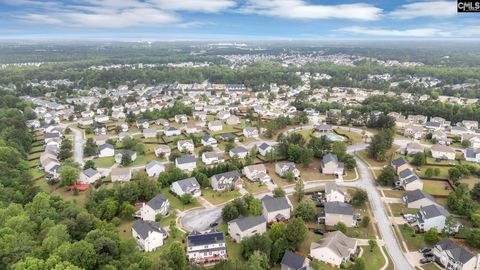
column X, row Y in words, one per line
column 65, row 151
column 289, row 176
column 466, row 143
column 387, row 177
column 127, row 211
column 436, row 171
column 278, row 192
column 89, row 164
column 176, row 257
column 365, row 221
column 277, row 231
column 258, row 261
column 359, row 197
column 174, row 231
column 296, row 231
column 475, row 191
column 187, row 199
column 278, row 249
column 431, row 236
column 299, row 190
column 126, row 160
column 255, row 207
column 68, row 175
column 340, row 226
column 429, row 172
column 359, row 264
column 306, row 210
column 372, row 244
column 419, row 159
column 339, row 149
column 454, row 174
column 90, row 148
column 256, row 242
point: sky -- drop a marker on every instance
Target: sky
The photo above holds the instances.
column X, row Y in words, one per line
column 235, row 20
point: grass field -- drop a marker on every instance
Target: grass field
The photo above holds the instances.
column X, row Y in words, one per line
column 443, row 171
column 219, row 197
column 375, row 163
column 175, row 202
column 399, row 208
column 470, row 181
column 254, row 188
column 80, row 199
column 436, row 188
column 374, row 258
column 104, row 162
column 430, row 266
column 413, row 240
column 393, row 193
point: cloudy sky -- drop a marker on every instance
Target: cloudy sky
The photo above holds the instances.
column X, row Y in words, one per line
column 235, row 19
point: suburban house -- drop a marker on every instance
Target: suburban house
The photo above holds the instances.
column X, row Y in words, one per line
column 186, row 186
column 100, row 129
column 186, row 145
column 413, row 148
column 335, row 193
column 121, row 174
column 441, row 137
column 149, row 235
column 472, row 154
column 432, row 216
column 443, row 152
column 101, row 139
column 451, row 255
column 256, row 173
column 432, row 126
column 142, row 123
column 250, row 132
column 89, row 176
column 106, row 150
column 157, row 205
column 417, row 198
column 331, row 165
column 226, row 181
column 284, row 167
column 292, row 261
column 469, row 124
column 232, row 120
column 206, row 248
column 149, row 133
column 409, row 180
column 215, row 125
column 181, row 118
column 223, row 115
column 164, row 150
column 264, row 149
column 192, row 128
column 208, row 140
column 334, row 248
column 474, row 139
column 240, row 152
column 323, row 128
column 187, row 163
column 154, row 168
column 172, row 131
column 210, row 158
column 336, row 212
column 413, row 131
column 162, row 122
column 129, row 153
column 400, row 164
column 276, row 209
column 246, row 226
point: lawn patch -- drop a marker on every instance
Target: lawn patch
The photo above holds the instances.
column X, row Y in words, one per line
column 436, row 187
column 219, row 197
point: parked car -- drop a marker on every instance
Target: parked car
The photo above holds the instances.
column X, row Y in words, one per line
column 398, row 188
column 213, row 224
column 428, row 254
column 424, row 250
column 318, row 231
column 427, row 260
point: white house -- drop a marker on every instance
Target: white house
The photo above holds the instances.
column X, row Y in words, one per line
column 154, row 168
column 432, row 216
column 331, row 165
column 451, row 255
column 210, row 158
column 187, row 163
column 186, row 186
column 149, row 235
column 208, row 247
column 443, row 152
column 208, row 140
column 334, row 248
column 121, row 174
column 89, row 176
column 142, row 123
column 257, row 173
column 417, row 198
column 240, row 152
column 226, row 181
column 172, row 131
column 185, row 145
column 157, row 205
column 164, row 150
column 242, row 227
column 284, row 167
column 276, row 209
column 336, row 212
column 250, row 132
column 472, row 154
column 264, row 149
column 120, row 154
column 215, row 125
column 335, row 193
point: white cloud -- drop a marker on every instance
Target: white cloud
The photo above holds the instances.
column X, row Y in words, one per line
column 415, row 32
column 299, row 9
column 437, row 9
column 209, row 6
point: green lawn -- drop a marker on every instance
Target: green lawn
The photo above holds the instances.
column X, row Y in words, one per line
column 175, row 202
column 439, row 188
column 234, row 251
column 254, row 188
column 375, row 163
column 43, row 185
column 443, row 171
column 430, row 266
column 80, row 199
column 36, row 173
column 414, row 241
column 104, row 162
column 219, row 197
column 37, row 148
column 353, row 136
column 374, row 259
column 399, row 208
column 393, row 193
column 125, row 229
column 470, row 181
column 165, row 221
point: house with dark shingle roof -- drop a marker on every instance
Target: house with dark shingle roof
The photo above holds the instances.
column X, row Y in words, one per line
column 331, row 165
column 208, row 247
column 89, row 176
column 149, row 235
column 187, row 163
column 334, row 248
column 157, row 205
column 276, row 209
column 417, row 198
column 292, row 261
column 336, row 212
column 246, row 226
column 226, row 181
column 186, row 186
column 451, row 255
column 400, row 164
column 432, row 216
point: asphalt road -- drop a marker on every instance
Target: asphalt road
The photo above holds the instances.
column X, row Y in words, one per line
column 78, row 145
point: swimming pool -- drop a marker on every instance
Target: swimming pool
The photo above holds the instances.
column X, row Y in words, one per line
column 335, row 138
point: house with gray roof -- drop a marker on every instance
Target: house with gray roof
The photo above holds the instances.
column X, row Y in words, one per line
column 208, row 247
column 264, row 148
column 130, row 153
column 154, row 168
column 334, row 248
column 121, row 174
column 226, row 181
column 284, row 167
column 149, row 235
column 472, row 154
column 451, row 255
column 246, row 226
column 292, row 261
column 432, row 216
column 186, row 186
column 187, row 163
column 417, row 198
column 89, row 176
column 208, row 140
column 240, row 152
column 157, row 205
column 336, row 212
column 276, row 209
column 331, row 165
